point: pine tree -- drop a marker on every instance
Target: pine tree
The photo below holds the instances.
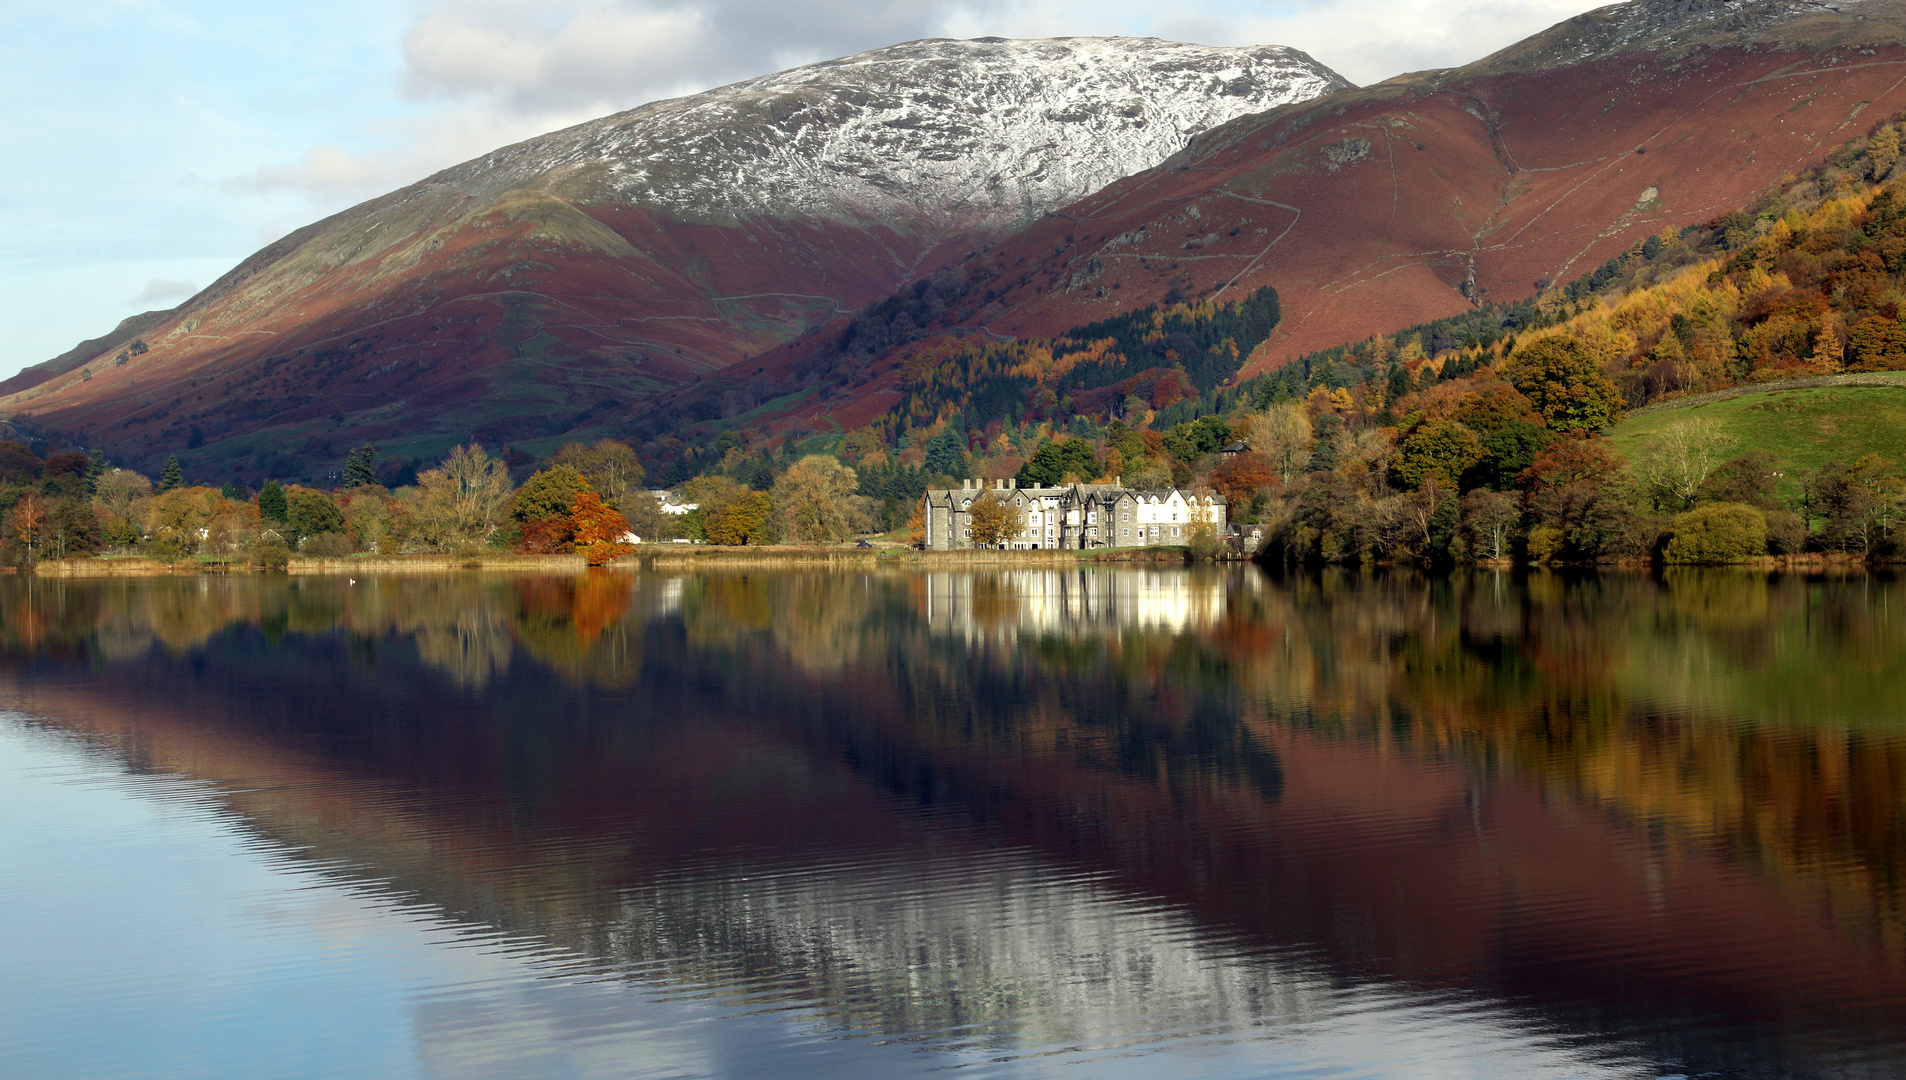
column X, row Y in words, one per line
column 173, row 476
column 95, row 468
column 360, row 469
column 271, row 501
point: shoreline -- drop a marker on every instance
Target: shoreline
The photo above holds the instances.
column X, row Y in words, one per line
column 686, row 558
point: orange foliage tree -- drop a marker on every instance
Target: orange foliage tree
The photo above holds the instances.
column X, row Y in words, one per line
column 598, row 530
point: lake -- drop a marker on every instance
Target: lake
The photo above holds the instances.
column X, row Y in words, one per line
column 1081, row 823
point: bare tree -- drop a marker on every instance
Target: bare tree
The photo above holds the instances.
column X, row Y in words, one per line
column 1676, row 462
column 461, row 502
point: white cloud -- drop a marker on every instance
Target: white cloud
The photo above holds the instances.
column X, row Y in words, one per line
column 164, row 292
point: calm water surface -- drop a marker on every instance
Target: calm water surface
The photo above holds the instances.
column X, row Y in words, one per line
column 1081, row 824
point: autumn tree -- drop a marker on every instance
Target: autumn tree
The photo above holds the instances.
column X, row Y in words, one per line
column 599, row 530
column 543, row 510
column 1565, row 383
column 27, row 522
column 744, row 519
column 917, row 524
column 995, row 520
column 815, row 500
column 1283, row 435
column 611, row 468
column 1242, row 476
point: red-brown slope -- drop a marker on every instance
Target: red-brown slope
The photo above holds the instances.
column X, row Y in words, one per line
column 1385, row 211
column 491, row 324
column 1376, row 209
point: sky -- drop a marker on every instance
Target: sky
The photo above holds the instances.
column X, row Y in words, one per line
column 151, row 145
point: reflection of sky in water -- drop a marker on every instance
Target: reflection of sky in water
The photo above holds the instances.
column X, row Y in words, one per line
column 152, row 934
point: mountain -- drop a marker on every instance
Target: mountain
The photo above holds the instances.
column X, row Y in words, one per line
column 1417, row 198
column 575, row 274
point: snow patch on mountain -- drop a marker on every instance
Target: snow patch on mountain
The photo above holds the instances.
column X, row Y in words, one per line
column 983, row 133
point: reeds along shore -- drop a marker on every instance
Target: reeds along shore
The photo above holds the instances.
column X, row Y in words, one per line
column 658, row 557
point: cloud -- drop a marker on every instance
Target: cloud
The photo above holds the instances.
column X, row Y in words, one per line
column 163, row 292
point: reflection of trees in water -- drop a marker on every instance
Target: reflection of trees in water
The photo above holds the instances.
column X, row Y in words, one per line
column 1736, row 709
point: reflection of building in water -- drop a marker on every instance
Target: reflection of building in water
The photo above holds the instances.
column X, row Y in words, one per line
column 1072, row 600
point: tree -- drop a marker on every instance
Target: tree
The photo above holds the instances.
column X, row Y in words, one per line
column 548, row 495
column 1055, row 460
column 1243, row 475
column 1491, row 518
column 312, row 513
column 1443, row 449
column 461, row 501
column 917, row 524
column 360, row 468
column 1565, row 383
column 743, row 520
column 27, row 522
column 995, row 521
column 1678, row 460
column 1718, row 533
column 816, row 502
column 946, row 452
column 599, row 530
column 612, row 469
column 172, row 476
column 544, row 510
column 72, row 528
column 1510, row 449
column 1283, row 434
column 271, row 501
column 1204, row 541
column 95, row 468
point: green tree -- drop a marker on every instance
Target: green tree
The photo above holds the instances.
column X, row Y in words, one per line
column 172, row 476
column 312, row 513
column 360, row 468
column 271, row 501
column 946, row 452
column 1566, row 384
column 549, row 495
column 1441, row 448
column 1055, row 460
column 1718, row 533
column 1510, row 449
column 95, row 468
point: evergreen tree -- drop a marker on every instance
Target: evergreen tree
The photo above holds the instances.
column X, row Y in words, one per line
column 946, row 452
column 173, row 476
column 95, row 468
column 360, row 468
column 271, row 502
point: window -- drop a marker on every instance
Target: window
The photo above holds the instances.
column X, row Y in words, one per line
column 1174, row 530
column 1126, row 516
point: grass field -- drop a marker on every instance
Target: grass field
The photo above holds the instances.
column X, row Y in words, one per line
column 1802, row 429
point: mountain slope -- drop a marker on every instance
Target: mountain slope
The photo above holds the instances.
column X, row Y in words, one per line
column 589, row 268
column 1407, row 201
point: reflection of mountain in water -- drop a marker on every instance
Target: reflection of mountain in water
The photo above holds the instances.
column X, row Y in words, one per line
column 1045, row 809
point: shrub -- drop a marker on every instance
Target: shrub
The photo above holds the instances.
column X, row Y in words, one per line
column 1718, row 533
column 1544, row 542
column 269, row 554
column 327, row 545
column 1786, row 533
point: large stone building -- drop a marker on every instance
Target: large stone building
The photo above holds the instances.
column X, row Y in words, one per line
column 1075, row 516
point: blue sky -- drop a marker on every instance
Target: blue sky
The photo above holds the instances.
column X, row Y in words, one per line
column 153, row 144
